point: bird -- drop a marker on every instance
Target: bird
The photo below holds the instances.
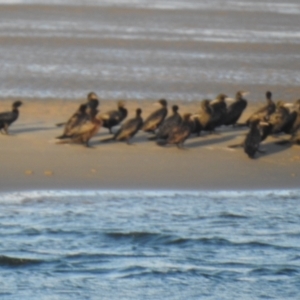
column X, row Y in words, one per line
column 253, row 138
column 83, row 131
column 79, row 117
column 235, row 109
column 128, row 129
column 156, row 118
column 91, row 110
column 279, row 118
column 168, row 124
column 264, row 112
column 293, row 121
column 179, row 133
column 114, row 117
column 202, row 118
column 219, row 108
column 7, row 118
column 292, row 125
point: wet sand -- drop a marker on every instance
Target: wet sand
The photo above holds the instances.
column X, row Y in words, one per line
column 31, row 160
column 183, row 51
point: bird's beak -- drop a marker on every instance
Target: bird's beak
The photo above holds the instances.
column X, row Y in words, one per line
column 245, row 93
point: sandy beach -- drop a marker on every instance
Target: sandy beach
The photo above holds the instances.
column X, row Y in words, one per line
column 31, row 159
column 52, row 53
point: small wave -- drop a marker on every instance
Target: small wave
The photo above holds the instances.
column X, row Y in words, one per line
column 17, row 262
column 40, row 195
column 287, row 271
column 139, row 237
column 264, row 271
column 139, row 271
column 232, row 216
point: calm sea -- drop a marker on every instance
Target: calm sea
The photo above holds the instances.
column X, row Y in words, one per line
column 140, row 49
column 149, row 245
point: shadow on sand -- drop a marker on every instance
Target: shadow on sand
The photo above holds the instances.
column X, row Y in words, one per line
column 31, row 129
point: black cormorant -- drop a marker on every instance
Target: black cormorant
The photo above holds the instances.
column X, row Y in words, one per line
column 168, row 124
column 253, row 138
column 128, row 129
column 264, row 112
column 7, row 118
column 114, row 117
column 80, row 116
column 235, row 109
column 179, row 133
column 83, row 131
column 156, row 118
column 279, row 118
column 293, row 121
column 202, row 118
column 219, row 108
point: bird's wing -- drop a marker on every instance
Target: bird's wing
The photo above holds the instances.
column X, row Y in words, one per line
column 6, row 116
column 153, row 120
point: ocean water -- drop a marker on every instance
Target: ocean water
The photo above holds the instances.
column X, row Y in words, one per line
column 149, row 245
column 124, row 49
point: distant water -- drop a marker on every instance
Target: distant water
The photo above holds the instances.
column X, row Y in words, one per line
column 149, row 245
column 177, row 49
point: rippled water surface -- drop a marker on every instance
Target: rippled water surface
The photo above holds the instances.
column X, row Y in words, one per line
column 150, row 245
column 142, row 49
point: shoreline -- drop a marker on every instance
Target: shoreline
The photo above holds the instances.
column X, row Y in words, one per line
column 31, row 160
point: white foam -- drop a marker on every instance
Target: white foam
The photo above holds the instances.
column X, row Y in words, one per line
column 16, row 197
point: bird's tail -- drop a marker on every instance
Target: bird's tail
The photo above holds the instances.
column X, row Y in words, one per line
column 63, row 136
column 60, row 124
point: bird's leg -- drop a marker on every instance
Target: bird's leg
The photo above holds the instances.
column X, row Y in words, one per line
column 6, row 129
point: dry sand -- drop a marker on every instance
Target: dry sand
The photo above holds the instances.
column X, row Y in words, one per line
column 31, row 160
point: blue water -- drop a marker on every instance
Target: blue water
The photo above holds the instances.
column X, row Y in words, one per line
column 149, row 245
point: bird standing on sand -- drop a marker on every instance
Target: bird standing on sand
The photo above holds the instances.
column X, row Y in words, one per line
column 168, row 124
column 114, row 117
column 235, row 109
column 279, row 118
column 253, row 138
column 179, row 133
column 7, row 118
column 264, row 112
column 82, row 132
column 76, row 119
column 156, row 118
column 128, row 129
column 90, row 108
column 293, row 121
column 292, row 126
column 201, row 119
column 219, row 108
